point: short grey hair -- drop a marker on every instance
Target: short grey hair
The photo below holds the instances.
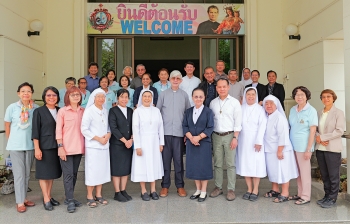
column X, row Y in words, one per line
column 126, row 68
column 175, row 73
column 232, row 70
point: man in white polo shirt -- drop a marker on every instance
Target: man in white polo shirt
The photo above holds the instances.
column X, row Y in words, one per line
column 227, row 125
column 189, row 82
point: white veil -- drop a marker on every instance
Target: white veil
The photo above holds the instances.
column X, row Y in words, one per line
column 277, row 103
column 139, row 104
column 245, row 92
column 93, row 95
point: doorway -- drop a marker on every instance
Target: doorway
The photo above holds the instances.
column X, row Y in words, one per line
column 171, row 52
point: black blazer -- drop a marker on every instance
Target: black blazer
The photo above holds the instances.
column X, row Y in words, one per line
column 204, row 85
column 44, row 128
column 205, row 124
column 138, row 92
column 278, row 91
column 119, row 125
column 261, row 91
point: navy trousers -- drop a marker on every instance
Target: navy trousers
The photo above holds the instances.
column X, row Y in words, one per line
column 173, row 150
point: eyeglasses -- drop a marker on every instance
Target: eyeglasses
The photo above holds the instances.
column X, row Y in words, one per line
column 51, row 95
column 100, row 96
column 82, row 82
column 23, row 91
column 198, row 97
column 74, row 95
column 300, row 95
column 326, row 97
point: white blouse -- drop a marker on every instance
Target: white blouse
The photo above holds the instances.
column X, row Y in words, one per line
column 197, row 113
column 124, row 110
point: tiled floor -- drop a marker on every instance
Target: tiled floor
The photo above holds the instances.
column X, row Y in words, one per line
column 174, row 209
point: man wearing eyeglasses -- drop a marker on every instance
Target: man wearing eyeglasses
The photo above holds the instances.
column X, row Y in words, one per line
column 137, row 81
column 70, row 81
column 172, row 104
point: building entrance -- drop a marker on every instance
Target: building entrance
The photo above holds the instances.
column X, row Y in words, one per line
column 156, row 52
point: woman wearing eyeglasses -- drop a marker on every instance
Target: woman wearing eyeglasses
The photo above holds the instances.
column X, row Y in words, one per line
column 18, row 130
column 71, row 145
column 47, row 164
column 331, row 126
column 198, row 125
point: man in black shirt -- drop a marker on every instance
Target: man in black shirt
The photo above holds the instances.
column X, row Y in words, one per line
column 208, row 26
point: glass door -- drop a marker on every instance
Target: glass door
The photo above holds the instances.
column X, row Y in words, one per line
column 112, row 53
column 227, row 49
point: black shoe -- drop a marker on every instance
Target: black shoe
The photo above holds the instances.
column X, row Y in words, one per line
column 145, row 197
column 77, row 203
column 119, row 197
column 48, row 206
column 193, row 197
column 71, row 206
column 154, row 196
column 202, row 199
column 319, row 202
column 54, row 202
column 254, row 197
column 246, row 196
column 128, row 197
column 329, row 203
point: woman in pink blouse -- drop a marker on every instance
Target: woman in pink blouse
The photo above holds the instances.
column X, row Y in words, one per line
column 70, row 142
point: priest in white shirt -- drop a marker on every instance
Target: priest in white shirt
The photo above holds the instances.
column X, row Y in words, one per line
column 245, row 79
column 227, row 125
column 189, row 82
column 262, row 90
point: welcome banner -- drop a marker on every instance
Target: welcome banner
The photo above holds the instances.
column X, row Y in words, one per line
column 165, row 19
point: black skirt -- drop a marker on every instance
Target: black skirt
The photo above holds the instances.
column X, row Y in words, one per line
column 49, row 166
column 120, row 158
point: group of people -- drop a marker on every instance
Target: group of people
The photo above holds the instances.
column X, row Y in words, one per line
column 242, row 124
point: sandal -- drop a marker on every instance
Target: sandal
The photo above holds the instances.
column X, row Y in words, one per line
column 294, row 197
column 271, row 194
column 301, row 202
column 101, row 200
column 280, row 199
column 91, row 203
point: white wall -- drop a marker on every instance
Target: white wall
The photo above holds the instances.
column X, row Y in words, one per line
column 304, row 60
column 22, row 58
column 66, row 40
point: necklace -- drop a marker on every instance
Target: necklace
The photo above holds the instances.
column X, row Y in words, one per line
column 222, row 105
column 250, row 113
column 102, row 116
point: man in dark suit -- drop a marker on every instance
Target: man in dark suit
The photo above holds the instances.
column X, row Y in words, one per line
column 209, row 85
column 274, row 88
column 262, row 91
column 208, row 26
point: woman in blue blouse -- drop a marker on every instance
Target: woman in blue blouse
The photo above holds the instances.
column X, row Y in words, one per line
column 124, row 83
column 18, row 129
column 303, row 122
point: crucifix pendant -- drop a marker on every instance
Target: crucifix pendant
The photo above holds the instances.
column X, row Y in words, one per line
column 220, row 111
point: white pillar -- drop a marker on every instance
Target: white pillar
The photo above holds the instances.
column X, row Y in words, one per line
column 346, row 29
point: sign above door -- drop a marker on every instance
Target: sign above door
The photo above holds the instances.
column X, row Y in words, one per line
column 165, row 19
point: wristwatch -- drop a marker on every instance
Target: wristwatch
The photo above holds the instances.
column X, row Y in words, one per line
column 60, row 145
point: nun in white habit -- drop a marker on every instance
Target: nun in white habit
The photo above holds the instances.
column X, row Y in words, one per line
column 280, row 160
column 250, row 154
column 148, row 133
column 95, row 128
